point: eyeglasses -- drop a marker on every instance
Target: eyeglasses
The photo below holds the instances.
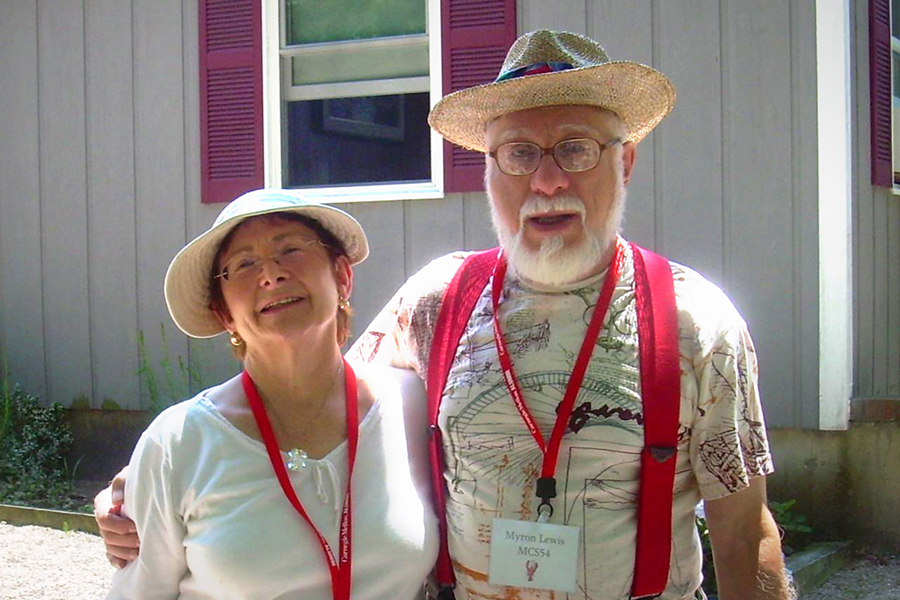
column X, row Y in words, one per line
column 243, row 266
column 572, row 156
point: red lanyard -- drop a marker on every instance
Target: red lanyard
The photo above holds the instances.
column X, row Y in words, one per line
column 340, row 567
column 546, row 485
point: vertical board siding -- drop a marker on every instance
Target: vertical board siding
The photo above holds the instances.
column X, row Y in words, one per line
column 376, row 280
column 882, row 294
column 111, row 203
column 863, row 218
column 61, row 102
column 625, row 30
column 432, row 228
column 21, row 294
column 567, row 15
column 758, row 176
column 892, row 388
column 690, row 165
column 478, row 230
column 159, row 166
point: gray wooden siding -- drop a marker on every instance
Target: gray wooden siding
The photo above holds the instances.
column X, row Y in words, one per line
column 876, row 220
column 99, row 183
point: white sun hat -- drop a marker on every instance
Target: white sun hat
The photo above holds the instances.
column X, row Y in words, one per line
column 188, row 277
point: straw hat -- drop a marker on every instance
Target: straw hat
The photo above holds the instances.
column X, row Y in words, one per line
column 556, row 68
column 187, row 280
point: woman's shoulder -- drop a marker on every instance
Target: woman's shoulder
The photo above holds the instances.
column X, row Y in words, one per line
column 395, row 387
column 385, row 380
column 188, row 418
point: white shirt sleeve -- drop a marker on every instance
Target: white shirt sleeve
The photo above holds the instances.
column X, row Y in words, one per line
column 151, row 502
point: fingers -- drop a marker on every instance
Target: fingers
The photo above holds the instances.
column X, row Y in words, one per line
column 121, row 539
column 116, row 529
column 119, row 533
column 118, row 488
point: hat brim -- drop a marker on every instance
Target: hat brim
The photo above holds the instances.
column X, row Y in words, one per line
column 187, row 279
column 640, row 95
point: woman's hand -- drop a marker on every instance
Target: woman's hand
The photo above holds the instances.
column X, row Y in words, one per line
column 118, row 532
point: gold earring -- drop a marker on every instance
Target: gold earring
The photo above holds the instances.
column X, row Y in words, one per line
column 236, row 340
column 343, row 304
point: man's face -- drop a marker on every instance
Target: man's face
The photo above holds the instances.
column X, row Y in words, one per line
column 563, row 211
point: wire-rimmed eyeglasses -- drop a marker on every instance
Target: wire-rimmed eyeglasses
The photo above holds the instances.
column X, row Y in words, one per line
column 243, row 266
column 573, row 156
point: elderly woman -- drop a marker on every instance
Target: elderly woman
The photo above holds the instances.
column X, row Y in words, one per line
column 299, row 477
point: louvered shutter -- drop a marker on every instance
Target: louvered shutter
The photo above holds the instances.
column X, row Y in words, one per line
column 231, row 98
column 475, row 35
column 880, row 91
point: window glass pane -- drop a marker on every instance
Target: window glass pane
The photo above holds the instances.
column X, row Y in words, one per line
column 311, row 21
column 344, row 63
column 895, row 19
column 895, row 67
column 373, row 139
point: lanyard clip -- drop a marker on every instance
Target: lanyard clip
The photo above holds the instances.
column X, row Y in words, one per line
column 546, row 489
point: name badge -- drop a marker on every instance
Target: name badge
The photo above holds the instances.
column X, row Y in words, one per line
column 534, row 555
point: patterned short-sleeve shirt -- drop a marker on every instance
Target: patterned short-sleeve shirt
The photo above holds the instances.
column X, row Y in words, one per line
column 492, row 461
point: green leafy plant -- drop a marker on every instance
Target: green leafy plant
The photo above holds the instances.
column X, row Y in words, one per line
column 795, row 529
column 176, row 380
column 34, row 441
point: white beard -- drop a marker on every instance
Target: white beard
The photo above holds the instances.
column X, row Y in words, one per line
column 555, row 263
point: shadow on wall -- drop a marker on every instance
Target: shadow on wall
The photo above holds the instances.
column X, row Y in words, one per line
column 844, row 481
column 103, row 440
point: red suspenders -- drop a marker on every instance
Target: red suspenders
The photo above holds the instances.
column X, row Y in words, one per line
column 660, row 396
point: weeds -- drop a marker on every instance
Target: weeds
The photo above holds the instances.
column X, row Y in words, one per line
column 177, row 381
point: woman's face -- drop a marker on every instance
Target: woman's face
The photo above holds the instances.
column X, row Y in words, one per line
column 282, row 284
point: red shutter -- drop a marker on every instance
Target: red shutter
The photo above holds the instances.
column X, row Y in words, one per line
column 231, row 98
column 475, row 35
column 880, row 91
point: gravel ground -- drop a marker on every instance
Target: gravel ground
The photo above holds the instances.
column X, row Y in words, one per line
column 38, row 563
column 870, row 576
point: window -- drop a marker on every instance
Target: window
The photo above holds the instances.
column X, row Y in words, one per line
column 333, row 97
column 355, row 95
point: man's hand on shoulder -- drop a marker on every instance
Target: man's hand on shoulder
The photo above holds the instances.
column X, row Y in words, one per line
column 118, row 532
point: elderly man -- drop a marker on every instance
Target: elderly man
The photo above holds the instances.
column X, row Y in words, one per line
column 551, row 343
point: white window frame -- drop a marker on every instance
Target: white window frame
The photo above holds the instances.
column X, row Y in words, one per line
column 277, row 88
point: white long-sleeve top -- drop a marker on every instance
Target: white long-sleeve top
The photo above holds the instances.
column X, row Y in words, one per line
column 214, row 522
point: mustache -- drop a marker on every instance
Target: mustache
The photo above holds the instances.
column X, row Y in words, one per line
column 536, row 205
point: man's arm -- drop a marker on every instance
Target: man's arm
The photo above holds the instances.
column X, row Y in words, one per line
column 747, row 546
column 119, row 533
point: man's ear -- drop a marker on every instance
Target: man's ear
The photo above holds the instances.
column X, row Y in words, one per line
column 343, row 276
column 629, row 153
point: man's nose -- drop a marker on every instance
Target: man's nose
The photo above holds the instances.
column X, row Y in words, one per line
column 549, row 179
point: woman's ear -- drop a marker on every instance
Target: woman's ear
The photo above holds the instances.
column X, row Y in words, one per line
column 224, row 318
column 343, row 276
